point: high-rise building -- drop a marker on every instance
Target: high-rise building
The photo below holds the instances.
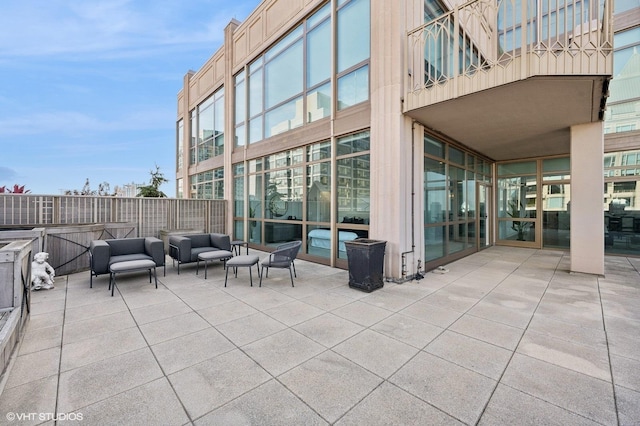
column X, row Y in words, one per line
column 439, row 127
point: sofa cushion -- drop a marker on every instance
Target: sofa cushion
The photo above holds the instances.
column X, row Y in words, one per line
column 200, row 240
column 197, row 250
column 126, row 246
column 128, row 257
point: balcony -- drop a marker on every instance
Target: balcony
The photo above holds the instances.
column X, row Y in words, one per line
column 520, row 73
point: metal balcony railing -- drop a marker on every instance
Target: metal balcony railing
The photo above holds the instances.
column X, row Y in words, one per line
column 487, row 43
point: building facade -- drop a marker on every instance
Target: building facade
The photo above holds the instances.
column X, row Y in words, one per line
column 441, row 129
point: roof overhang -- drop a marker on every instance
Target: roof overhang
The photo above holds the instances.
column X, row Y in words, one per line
column 523, row 119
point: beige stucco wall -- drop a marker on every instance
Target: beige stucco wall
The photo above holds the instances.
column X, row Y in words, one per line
column 587, row 181
column 396, row 170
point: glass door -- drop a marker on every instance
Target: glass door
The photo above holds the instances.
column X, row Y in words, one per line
column 483, row 208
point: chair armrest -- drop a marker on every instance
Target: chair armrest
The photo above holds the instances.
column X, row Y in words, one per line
column 180, row 248
column 220, row 241
column 154, row 247
column 99, row 255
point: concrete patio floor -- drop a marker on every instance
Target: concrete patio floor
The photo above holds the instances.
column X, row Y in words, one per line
column 506, row 337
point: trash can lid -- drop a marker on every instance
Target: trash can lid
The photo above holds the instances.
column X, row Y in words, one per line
column 365, row 241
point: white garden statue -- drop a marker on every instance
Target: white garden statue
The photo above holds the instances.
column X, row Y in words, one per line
column 41, row 272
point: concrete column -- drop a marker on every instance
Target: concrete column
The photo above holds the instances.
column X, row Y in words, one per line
column 587, row 183
column 391, row 141
column 229, row 121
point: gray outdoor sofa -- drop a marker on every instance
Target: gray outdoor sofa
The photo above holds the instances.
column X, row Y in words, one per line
column 186, row 248
column 104, row 253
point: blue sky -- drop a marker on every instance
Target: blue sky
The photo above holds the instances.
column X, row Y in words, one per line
column 88, row 88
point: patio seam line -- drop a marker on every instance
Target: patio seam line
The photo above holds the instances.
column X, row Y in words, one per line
column 64, row 315
column 606, row 338
column 515, row 349
column 155, row 357
column 235, row 346
column 427, row 344
column 552, row 282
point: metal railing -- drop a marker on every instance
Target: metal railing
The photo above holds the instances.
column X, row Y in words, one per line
column 486, row 43
column 150, row 215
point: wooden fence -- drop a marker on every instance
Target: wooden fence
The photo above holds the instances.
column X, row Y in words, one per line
column 63, row 226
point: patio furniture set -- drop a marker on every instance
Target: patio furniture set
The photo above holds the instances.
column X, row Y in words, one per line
column 122, row 255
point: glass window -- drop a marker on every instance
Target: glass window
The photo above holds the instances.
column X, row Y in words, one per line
column 456, row 156
column 319, row 151
column 193, row 118
column 433, row 147
column 624, row 5
column 353, row 190
column 255, row 129
column 353, row 143
column 240, row 110
column 319, row 54
column 283, row 76
column 322, row 13
column 283, row 118
column 319, row 192
column 240, row 101
column 241, row 135
column 319, row 103
column 517, row 197
column 180, row 149
column 238, row 190
column 284, row 43
column 353, row 88
column 283, row 195
column 457, row 194
column 435, row 187
column 255, row 93
column 516, row 168
column 353, row 34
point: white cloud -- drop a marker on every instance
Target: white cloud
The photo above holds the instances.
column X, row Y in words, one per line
column 114, row 28
column 73, row 123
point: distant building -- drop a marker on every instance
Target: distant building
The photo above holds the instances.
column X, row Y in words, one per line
column 442, row 130
column 128, row 189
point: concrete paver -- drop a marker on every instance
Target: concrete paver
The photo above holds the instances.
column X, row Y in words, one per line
column 507, row 336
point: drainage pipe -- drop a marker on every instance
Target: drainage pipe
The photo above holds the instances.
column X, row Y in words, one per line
column 417, row 275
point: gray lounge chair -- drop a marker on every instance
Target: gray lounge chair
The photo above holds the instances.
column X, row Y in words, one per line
column 283, row 258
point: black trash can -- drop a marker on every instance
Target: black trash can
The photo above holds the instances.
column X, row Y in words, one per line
column 366, row 260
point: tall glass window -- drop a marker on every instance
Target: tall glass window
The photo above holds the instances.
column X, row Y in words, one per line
column 240, row 109
column 353, row 188
column 290, row 84
column 353, row 51
column 193, row 132
column 556, row 198
column 517, row 196
column 318, row 51
column 180, row 139
column 623, row 106
column 353, row 34
column 450, row 200
column 210, row 127
column 238, row 201
column 622, row 202
column 290, row 196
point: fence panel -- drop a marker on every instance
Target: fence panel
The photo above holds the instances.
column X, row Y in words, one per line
column 71, row 222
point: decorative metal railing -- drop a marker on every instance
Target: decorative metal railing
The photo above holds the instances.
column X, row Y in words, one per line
column 487, row 43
